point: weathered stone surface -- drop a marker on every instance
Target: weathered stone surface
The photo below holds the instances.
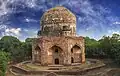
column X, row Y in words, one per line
column 55, row 19
column 58, row 43
column 51, row 74
column 67, row 47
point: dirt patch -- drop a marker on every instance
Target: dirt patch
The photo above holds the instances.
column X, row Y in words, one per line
column 114, row 72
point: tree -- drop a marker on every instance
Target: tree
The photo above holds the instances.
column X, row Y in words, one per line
column 27, row 48
column 115, row 49
column 23, row 52
column 92, row 47
column 19, row 51
column 115, row 38
column 105, row 45
column 4, row 58
column 9, row 43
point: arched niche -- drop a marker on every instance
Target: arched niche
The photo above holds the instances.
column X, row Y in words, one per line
column 37, row 54
column 75, row 54
column 76, row 49
column 57, row 55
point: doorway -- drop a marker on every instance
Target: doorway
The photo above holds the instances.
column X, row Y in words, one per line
column 56, row 61
column 57, row 55
column 72, row 60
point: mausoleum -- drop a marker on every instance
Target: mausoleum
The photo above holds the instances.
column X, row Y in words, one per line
column 57, row 43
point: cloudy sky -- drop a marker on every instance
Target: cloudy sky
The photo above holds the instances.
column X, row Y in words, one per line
column 95, row 18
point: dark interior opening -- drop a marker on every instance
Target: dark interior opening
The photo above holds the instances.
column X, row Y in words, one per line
column 72, row 60
column 56, row 50
column 56, row 61
column 72, row 50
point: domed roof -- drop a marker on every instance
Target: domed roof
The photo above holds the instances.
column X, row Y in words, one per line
column 58, row 14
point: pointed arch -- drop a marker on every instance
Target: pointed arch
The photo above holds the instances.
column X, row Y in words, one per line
column 37, row 48
column 37, row 54
column 56, row 48
column 76, row 49
column 57, row 55
column 77, row 46
column 75, row 54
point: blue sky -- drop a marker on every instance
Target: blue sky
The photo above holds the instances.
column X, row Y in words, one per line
column 95, row 18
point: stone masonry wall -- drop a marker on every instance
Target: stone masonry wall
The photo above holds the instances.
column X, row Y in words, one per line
column 65, row 43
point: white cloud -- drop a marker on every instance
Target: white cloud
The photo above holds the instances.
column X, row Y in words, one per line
column 95, row 20
column 3, row 27
column 15, row 31
column 26, row 30
column 4, row 7
column 28, row 33
column 117, row 23
column 30, row 3
column 113, row 31
column 10, row 31
column 22, row 34
column 30, row 20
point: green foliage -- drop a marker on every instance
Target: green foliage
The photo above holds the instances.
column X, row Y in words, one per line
column 15, row 50
column 106, row 47
column 27, row 48
column 93, row 48
column 115, row 49
column 8, row 43
column 11, row 45
column 29, row 40
column 4, row 58
column 18, row 50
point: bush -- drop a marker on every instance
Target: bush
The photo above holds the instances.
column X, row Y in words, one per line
column 4, row 58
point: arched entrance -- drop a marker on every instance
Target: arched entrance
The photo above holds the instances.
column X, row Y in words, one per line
column 75, row 54
column 57, row 55
column 37, row 54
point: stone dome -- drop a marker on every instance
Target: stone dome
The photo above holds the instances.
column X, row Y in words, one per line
column 58, row 14
column 58, row 21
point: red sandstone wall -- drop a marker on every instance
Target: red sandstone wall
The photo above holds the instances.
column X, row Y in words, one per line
column 65, row 43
